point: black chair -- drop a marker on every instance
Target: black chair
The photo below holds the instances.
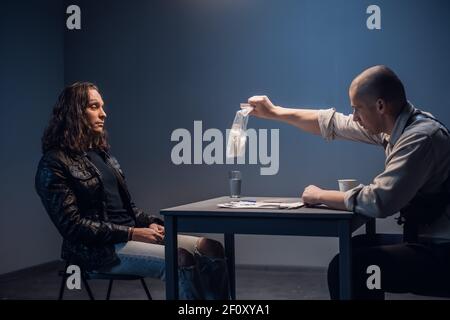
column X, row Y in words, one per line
column 85, row 276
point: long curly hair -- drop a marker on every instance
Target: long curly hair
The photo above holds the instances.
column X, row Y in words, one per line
column 68, row 128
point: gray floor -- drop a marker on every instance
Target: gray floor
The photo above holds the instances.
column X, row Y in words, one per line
column 42, row 282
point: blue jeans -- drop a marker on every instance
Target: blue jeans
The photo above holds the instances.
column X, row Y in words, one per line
column 207, row 279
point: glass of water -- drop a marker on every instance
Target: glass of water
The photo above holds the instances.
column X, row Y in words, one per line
column 235, row 180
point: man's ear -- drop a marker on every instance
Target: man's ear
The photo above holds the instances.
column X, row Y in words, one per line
column 381, row 106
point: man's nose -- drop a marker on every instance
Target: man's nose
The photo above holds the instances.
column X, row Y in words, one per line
column 102, row 114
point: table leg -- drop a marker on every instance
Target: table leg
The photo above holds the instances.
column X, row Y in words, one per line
column 229, row 253
column 171, row 256
column 371, row 226
column 345, row 261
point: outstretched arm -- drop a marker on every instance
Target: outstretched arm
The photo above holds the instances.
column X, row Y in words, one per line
column 327, row 123
column 304, row 119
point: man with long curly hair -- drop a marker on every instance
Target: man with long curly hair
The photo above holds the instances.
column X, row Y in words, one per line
column 85, row 194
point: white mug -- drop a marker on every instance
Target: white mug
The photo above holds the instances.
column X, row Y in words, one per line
column 347, row 184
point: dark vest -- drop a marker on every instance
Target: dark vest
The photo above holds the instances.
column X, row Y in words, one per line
column 423, row 209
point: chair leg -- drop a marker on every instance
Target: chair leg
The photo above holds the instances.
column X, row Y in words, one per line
column 149, row 296
column 62, row 287
column 88, row 289
column 108, row 294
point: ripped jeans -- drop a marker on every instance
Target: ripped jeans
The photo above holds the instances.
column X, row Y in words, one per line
column 206, row 280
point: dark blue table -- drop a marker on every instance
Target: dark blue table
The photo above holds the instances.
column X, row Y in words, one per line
column 206, row 217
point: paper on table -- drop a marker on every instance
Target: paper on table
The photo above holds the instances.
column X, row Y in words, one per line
column 261, row 204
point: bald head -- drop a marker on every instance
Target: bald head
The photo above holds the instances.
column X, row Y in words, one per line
column 379, row 82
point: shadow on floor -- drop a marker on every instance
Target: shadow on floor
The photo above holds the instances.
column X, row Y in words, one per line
column 252, row 282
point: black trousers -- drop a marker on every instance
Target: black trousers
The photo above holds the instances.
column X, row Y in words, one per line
column 417, row 268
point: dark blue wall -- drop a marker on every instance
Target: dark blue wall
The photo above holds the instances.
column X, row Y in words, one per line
column 31, row 74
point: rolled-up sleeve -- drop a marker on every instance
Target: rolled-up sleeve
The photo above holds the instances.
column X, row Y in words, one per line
column 407, row 169
column 325, row 123
column 349, row 197
column 335, row 125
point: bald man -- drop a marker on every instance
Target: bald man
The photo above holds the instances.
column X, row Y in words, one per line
column 415, row 182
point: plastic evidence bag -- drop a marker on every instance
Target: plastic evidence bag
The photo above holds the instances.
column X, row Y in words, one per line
column 238, row 136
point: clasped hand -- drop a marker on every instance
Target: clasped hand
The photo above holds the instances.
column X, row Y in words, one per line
column 153, row 234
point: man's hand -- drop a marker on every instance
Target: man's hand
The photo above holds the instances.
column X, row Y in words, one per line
column 331, row 198
column 263, row 107
column 312, row 194
column 148, row 235
column 304, row 119
column 157, row 227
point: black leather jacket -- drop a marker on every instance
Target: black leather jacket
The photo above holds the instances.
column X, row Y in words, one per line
column 71, row 190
